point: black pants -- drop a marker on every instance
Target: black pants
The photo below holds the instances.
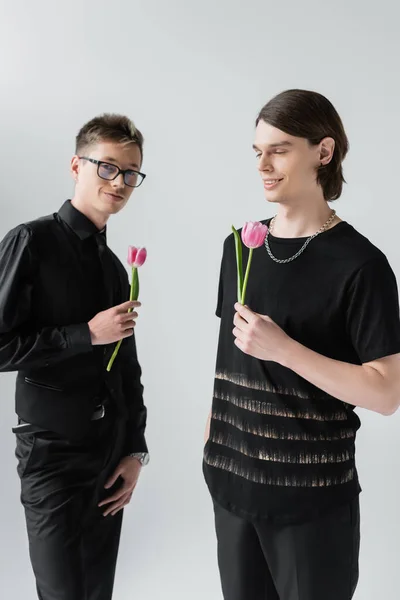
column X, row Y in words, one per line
column 73, row 547
column 317, row 560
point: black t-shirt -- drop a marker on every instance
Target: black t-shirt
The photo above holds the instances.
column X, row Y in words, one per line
column 280, row 447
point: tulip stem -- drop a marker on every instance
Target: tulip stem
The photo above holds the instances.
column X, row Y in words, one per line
column 246, row 277
column 134, row 294
column 239, row 263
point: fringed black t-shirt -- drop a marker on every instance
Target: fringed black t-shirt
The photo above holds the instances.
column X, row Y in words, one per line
column 279, row 447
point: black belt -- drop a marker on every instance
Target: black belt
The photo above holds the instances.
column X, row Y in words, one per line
column 23, row 426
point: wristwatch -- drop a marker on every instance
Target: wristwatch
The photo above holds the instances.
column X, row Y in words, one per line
column 142, row 457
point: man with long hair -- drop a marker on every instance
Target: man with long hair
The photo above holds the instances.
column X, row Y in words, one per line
column 319, row 336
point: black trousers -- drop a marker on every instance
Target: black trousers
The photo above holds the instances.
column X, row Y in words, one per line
column 73, row 547
column 317, row 560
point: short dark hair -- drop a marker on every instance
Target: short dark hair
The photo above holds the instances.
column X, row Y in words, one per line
column 109, row 127
column 310, row 115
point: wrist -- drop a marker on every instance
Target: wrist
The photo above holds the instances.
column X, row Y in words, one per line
column 142, row 457
column 91, row 334
column 93, row 337
column 288, row 352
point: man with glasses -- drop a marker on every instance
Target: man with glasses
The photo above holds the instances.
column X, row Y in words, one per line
column 80, row 440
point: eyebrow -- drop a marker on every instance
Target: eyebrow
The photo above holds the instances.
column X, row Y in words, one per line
column 114, row 160
column 276, row 145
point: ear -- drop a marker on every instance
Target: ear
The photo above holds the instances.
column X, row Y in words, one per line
column 326, row 150
column 74, row 169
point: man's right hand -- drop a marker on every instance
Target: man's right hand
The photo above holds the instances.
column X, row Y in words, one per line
column 113, row 324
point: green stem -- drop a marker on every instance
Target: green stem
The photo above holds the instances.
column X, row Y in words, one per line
column 134, row 294
column 114, row 355
column 135, row 284
column 239, row 263
column 246, row 278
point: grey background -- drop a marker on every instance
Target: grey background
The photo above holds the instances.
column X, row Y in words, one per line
column 193, row 76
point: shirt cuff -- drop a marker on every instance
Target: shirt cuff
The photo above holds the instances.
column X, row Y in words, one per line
column 78, row 337
column 135, row 444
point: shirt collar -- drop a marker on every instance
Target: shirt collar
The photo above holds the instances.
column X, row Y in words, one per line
column 78, row 222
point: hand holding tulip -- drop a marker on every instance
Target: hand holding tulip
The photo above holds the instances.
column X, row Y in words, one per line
column 136, row 258
column 256, row 335
column 113, row 324
column 259, row 336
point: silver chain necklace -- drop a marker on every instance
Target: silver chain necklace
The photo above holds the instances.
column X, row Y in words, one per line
column 304, row 246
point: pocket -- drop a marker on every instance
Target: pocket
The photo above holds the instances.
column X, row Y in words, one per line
column 44, row 386
column 25, row 444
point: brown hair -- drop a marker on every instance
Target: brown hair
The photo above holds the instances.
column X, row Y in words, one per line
column 311, row 116
column 109, row 127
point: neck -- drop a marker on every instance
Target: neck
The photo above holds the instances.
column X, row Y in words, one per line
column 99, row 219
column 302, row 220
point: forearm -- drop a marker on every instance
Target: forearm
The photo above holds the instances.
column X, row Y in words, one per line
column 135, row 432
column 359, row 385
column 137, row 415
column 207, row 429
column 21, row 350
column 133, row 393
column 137, row 419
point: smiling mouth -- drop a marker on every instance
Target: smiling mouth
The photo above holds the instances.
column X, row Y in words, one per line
column 114, row 196
column 268, row 183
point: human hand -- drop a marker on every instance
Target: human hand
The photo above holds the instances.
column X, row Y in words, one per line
column 113, row 324
column 129, row 470
column 258, row 335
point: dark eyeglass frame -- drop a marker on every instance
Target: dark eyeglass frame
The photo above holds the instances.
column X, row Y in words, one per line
column 123, row 171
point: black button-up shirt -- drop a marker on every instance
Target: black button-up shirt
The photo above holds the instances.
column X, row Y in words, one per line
column 51, row 284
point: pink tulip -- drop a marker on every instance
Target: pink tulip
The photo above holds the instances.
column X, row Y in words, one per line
column 132, row 252
column 253, row 234
column 136, row 256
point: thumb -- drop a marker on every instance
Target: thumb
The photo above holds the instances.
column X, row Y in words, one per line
column 110, row 482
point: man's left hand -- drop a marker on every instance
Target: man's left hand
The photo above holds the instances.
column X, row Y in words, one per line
column 129, row 470
column 258, row 335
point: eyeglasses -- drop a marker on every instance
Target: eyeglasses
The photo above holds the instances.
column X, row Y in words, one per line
column 110, row 172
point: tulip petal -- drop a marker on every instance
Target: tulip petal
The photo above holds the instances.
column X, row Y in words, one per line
column 132, row 253
column 140, row 257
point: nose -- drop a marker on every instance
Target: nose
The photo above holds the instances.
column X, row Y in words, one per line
column 118, row 181
column 265, row 163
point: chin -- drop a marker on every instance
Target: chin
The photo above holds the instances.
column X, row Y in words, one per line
column 115, row 208
column 111, row 208
column 272, row 198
